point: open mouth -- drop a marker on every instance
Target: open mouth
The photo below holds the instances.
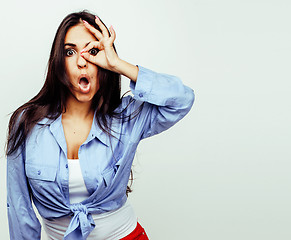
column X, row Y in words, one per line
column 83, row 82
column 84, row 85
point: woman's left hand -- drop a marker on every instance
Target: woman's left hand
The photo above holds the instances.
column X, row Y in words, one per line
column 106, row 57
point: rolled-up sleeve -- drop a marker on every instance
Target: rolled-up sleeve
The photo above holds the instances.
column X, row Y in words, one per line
column 23, row 223
column 166, row 100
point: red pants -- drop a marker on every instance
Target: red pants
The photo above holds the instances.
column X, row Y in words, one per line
column 137, row 234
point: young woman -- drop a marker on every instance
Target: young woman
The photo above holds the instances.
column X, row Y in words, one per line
column 71, row 147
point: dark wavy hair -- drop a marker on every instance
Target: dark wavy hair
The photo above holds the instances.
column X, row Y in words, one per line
column 51, row 99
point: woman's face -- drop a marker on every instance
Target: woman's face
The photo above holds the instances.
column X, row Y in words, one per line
column 82, row 74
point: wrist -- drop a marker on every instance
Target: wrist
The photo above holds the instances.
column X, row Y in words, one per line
column 117, row 67
column 126, row 69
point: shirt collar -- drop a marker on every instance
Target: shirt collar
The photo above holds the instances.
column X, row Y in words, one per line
column 96, row 131
column 45, row 121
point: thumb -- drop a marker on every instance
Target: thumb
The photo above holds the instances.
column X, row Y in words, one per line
column 88, row 57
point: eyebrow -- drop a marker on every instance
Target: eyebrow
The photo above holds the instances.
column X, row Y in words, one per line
column 74, row 45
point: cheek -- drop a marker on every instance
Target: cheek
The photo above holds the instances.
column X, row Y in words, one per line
column 95, row 70
column 96, row 84
column 67, row 68
column 69, row 65
column 95, row 76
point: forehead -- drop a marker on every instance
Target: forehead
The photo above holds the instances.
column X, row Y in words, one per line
column 79, row 35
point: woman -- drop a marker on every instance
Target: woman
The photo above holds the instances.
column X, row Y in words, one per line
column 71, row 147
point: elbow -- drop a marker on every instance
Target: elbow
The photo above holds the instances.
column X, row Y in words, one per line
column 189, row 99
column 184, row 105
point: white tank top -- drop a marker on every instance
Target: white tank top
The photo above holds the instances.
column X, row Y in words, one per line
column 110, row 226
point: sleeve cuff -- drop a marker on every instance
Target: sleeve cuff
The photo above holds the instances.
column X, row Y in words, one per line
column 143, row 85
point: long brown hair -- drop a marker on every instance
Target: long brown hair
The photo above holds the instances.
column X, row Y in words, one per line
column 51, row 99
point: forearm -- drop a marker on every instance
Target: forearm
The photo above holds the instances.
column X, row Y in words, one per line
column 127, row 69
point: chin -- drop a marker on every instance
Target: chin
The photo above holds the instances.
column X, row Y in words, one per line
column 84, row 99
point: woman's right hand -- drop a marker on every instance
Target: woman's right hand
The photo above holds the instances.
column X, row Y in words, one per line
column 106, row 56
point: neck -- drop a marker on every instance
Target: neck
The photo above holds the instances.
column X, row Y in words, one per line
column 77, row 109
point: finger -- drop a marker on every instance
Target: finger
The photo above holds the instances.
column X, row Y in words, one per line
column 93, row 30
column 88, row 57
column 101, row 26
column 91, row 45
column 113, row 33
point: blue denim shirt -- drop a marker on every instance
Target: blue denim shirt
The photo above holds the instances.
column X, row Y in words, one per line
column 39, row 169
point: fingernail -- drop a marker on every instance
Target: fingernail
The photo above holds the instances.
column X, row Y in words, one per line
column 82, row 50
column 97, row 18
column 85, row 22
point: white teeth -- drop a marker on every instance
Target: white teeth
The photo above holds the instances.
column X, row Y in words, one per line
column 84, row 83
column 84, row 86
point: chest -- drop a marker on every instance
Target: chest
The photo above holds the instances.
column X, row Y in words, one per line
column 76, row 134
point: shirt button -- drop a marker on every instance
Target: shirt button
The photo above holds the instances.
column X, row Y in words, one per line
column 38, row 172
column 66, row 165
column 140, row 95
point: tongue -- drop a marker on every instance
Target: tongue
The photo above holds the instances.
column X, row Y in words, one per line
column 84, row 86
column 84, row 83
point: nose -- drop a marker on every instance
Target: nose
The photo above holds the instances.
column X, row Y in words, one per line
column 82, row 62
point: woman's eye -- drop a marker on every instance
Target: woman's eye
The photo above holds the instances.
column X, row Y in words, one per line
column 93, row 51
column 69, row 52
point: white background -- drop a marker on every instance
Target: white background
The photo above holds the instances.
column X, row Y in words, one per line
column 221, row 173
